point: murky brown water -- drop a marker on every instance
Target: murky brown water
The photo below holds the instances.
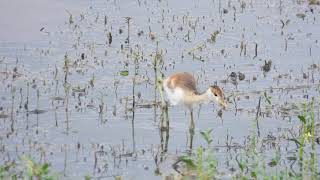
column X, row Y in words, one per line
column 78, row 116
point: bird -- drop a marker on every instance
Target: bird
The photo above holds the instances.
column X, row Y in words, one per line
column 181, row 88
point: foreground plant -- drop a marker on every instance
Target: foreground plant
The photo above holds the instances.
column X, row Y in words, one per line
column 308, row 161
column 202, row 165
column 251, row 162
column 27, row 168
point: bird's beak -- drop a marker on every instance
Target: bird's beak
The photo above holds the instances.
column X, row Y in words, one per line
column 223, row 103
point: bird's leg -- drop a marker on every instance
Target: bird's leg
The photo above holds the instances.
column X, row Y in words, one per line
column 191, row 128
column 191, row 120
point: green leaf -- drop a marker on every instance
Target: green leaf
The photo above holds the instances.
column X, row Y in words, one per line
column 29, row 164
column 253, row 174
column 273, row 163
column 206, row 135
column 302, row 119
column 14, row 176
column 241, row 165
column 124, row 73
column 1, row 172
column 45, row 168
column 188, row 161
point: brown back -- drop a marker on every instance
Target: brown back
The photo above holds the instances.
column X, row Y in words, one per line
column 183, row 80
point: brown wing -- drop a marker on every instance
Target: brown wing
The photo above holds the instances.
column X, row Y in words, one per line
column 183, row 80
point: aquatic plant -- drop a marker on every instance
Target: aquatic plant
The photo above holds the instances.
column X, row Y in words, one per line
column 203, row 164
column 254, row 164
column 27, row 168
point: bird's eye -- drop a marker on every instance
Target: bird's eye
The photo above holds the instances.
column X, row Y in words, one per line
column 215, row 94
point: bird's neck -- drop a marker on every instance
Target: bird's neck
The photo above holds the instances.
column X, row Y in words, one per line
column 197, row 98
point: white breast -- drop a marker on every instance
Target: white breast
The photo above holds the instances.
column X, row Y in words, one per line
column 175, row 95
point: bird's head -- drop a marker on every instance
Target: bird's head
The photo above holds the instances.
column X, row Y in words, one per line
column 216, row 94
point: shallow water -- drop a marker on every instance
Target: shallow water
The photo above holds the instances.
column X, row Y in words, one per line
column 77, row 140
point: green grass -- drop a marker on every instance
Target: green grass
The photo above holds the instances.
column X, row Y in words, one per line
column 27, row 168
column 202, row 164
column 253, row 163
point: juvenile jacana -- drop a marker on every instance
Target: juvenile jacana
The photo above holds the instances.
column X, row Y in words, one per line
column 181, row 88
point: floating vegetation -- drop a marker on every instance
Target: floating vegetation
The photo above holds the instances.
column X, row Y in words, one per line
column 3, row 116
column 267, row 66
column 152, row 36
column 124, row 73
column 301, row 15
column 57, row 98
column 241, row 76
column 314, row 2
column 214, row 36
column 37, row 111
